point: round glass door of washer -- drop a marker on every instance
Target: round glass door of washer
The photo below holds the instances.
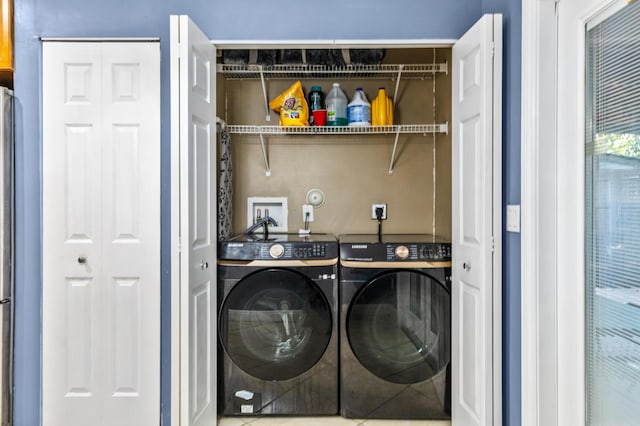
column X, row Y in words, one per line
column 275, row 324
column 399, row 326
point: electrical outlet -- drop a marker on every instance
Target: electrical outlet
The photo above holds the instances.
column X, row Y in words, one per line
column 307, row 209
column 384, row 211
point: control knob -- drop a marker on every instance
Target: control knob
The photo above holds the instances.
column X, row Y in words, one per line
column 276, row 251
column 402, row 252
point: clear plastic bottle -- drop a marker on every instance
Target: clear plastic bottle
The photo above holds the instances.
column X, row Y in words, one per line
column 359, row 109
column 336, row 102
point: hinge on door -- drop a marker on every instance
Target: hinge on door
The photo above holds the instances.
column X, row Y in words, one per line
column 493, row 244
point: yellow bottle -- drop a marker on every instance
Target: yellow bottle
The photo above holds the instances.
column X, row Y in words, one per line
column 382, row 109
column 374, row 112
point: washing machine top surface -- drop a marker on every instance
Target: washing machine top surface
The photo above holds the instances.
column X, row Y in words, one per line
column 394, row 247
column 279, row 247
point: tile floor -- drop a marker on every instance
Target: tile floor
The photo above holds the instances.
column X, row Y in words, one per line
column 323, row 421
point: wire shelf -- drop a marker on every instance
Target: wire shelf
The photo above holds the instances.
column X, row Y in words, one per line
column 339, row 130
column 263, row 131
column 307, row 71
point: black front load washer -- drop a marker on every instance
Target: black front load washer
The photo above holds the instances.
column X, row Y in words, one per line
column 277, row 325
column 395, row 325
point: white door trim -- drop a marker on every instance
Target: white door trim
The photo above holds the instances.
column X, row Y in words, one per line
column 496, row 261
column 529, row 141
column 538, row 197
column 174, row 78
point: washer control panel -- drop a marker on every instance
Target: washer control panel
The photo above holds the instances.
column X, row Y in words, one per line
column 389, row 251
column 295, row 251
column 277, row 249
column 418, row 251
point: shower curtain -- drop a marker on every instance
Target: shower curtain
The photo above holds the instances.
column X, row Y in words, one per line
column 225, row 187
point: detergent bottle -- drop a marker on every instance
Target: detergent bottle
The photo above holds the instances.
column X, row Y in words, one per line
column 336, row 102
column 382, row 109
column 359, row 109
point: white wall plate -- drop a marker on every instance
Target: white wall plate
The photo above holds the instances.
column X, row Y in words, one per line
column 275, row 206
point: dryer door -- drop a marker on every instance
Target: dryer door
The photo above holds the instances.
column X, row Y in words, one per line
column 275, row 324
column 399, row 326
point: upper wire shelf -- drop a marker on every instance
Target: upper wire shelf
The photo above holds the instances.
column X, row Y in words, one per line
column 307, row 71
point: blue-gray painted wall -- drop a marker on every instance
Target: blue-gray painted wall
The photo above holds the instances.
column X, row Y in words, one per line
column 226, row 19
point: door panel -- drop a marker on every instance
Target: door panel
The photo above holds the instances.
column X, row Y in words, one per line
column 78, row 352
column 101, row 233
column 193, row 111
column 201, row 197
column 71, row 230
column 476, row 186
column 201, row 377
column 126, row 183
column 469, row 383
column 126, row 302
column 469, row 170
column 131, row 230
column 80, row 174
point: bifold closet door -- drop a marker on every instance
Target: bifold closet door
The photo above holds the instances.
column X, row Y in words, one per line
column 101, row 233
column 477, row 222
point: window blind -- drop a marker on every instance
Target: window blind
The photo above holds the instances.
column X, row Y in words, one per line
column 612, row 234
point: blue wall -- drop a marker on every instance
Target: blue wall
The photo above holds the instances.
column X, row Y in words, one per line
column 225, row 19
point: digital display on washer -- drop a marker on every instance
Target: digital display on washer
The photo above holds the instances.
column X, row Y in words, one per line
column 394, row 248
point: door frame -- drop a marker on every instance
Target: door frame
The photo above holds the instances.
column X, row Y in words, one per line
column 538, row 170
column 496, row 343
column 552, row 197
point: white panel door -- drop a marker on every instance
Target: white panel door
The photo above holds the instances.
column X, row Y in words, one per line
column 101, row 233
column 193, row 59
column 476, row 187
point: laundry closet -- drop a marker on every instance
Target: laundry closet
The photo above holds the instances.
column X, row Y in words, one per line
column 431, row 182
column 406, row 166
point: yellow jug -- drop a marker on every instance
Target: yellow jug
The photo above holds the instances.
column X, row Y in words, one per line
column 382, row 109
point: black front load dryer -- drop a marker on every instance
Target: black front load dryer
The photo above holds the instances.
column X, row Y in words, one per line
column 395, row 327
column 277, row 325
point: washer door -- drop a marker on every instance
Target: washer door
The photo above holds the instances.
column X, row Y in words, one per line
column 275, row 324
column 399, row 326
